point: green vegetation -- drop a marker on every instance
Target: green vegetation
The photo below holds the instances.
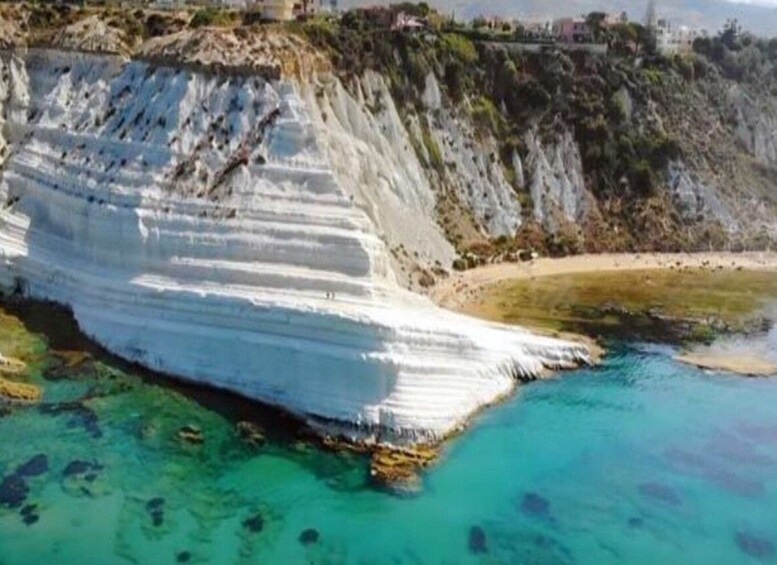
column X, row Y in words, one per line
column 625, row 110
column 460, row 48
column 486, row 115
column 433, row 151
column 740, row 56
column 213, row 17
column 687, row 305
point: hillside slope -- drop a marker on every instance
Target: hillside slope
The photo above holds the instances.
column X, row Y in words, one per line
column 568, row 152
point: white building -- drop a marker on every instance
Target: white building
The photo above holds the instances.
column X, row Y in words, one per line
column 670, row 40
column 285, row 10
column 674, row 40
column 168, row 4
column 275, row 10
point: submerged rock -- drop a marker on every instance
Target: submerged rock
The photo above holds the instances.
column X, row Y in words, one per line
column 535, row 505
column 477, row 540
column 183, row 556
column 155, row 503
column 157, row 518
column 77, row 467
column 37, row 465
column 191, row 434
column 13, row 491
column 251, row 433
column 662, row 493
column 19, row 392
column 155, row 508
column 754, row 546
column 29, row 514
column 80, row 416
column 397, row 469
column 12, row 390
column 309, row 537
column 28, row 509
column 636, row 522
column 254, row 524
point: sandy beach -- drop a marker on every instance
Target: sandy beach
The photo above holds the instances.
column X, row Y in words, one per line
column 463, row 287
column 742, row 363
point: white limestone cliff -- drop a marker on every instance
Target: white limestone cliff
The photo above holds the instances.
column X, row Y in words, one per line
column 555, row 179
column 472, row 165
column 233, row 231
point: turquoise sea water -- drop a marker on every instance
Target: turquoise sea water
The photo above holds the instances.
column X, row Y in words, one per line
column 641, row 460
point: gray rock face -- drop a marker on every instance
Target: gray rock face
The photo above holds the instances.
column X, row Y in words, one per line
column 696, row 200
column 474, row 171
column 554, row 173
column 756, row 125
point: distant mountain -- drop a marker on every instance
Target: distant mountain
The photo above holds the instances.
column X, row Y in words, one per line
column 708, row 14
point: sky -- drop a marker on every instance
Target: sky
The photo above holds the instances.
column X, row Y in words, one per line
column 756, row 2
column 757, row 16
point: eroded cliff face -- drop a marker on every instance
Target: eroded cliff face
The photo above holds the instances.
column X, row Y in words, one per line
column 719, row 191
column 235, row 229
column 756, row 124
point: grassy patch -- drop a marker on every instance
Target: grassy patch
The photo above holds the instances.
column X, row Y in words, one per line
column 433, row 150
column 691, row 305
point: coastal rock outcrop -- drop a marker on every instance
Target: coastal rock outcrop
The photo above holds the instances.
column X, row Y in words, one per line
column 756, row 126
column 556, row 182
column 213, row 227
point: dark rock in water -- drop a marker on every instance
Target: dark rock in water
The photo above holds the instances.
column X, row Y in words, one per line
column 254, row 524
column 686, row 460
column 183, row 557
column 30, row 519
column 550, row 546
column 90, row 477
column 736, row 484
column 636, row 522
column 77, row 467
column 191, row 434
column 710, row 469
column 251, row 433
column 13, row 491
column 535, row 505
column 727, row 447
column 155, row 508
column 88, row 420
column 309, row 537
column 477, row 540
column 34, row 467
column 157, row 518
column 660, row 492
column 81, row 416
column 754, row 546
column 29, row 509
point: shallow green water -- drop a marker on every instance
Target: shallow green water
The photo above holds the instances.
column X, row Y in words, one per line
column 639, row 461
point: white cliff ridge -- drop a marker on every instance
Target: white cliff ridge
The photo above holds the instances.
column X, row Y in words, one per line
column 232, row 231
